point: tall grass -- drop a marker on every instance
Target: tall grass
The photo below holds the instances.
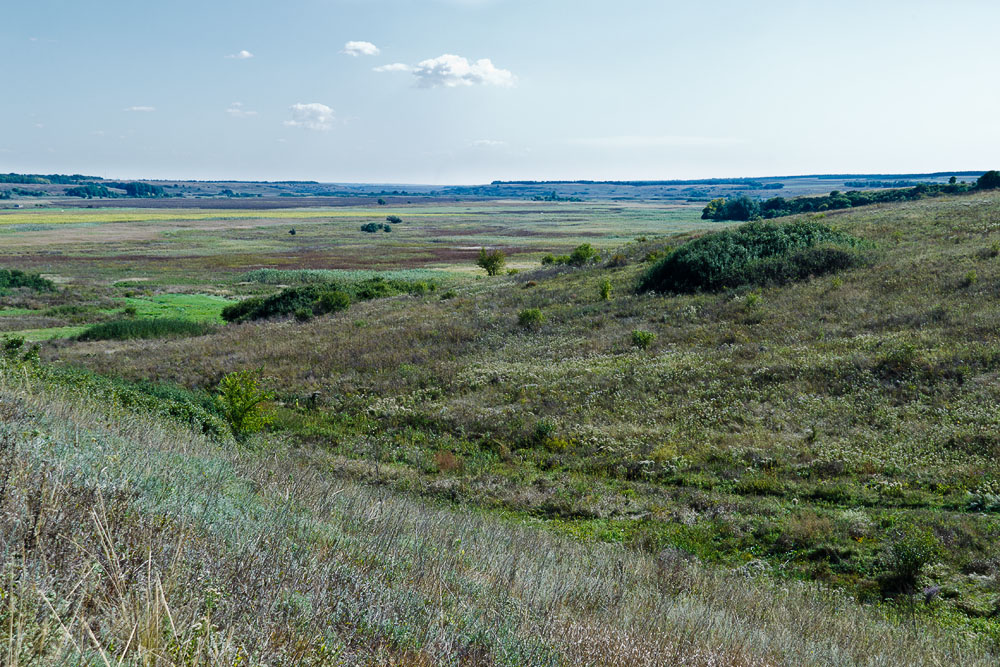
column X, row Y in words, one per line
column 166, row 327
column 130, row 541
column 305, row 276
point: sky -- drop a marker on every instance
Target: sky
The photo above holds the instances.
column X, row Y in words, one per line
column 470, row 91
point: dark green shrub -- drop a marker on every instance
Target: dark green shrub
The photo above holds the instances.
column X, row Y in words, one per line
column 548, row 258
column 13, row 278
column 989, row 181
column 530, row 318
column 321, row 298
column 582, row 254
column 909, row 550
column 394, row 219
column 303, row 314
column 754, row 253
column 128, row 329
column 332, row 302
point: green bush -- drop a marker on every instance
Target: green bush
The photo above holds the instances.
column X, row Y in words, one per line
column 642, row 339
column 492, row 261
column 154, row 328
column 605, row 290
column 321, row 298
column 530, row 318
column 333, row 301
column 582, row 254
column 989, row 181
column 756, row 253
column 12, row 278
column 907, row 553
column 241, row 398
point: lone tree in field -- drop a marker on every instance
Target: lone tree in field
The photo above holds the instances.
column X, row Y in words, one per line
column 492, row 261
column 242, row 397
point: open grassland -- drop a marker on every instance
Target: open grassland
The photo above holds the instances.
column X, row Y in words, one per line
column 129, row 540
column 822, row 430
column 183, row 247
column 539, row 468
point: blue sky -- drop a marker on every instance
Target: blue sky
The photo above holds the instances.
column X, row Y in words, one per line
column 467, row 91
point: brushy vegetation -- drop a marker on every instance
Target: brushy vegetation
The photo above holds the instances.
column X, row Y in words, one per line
column 320, row 299
column 164, row 327
column 831, row 438
column 756, row 253
column 745, row 208
column 127, row 540
column 305, row 276
column 14, row 278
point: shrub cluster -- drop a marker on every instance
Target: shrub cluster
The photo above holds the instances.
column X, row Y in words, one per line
column 146, row 328
column 11, row 278
column 745, row 208
column 374, row 227
column 319, row 299
column 756, row 253
column 581, row 255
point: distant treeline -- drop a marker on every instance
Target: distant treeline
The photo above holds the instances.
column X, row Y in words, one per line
column 880, row 184
column 137, row 190
column 748, row 182
column 745, row 208
column 46, row 179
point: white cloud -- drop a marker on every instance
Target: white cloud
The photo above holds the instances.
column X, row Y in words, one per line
column 312, row 116
column 360, row 49
column 141, row 109
column 236, row 110
column 659, row 141
column 394, row 67
column 488, row 143
column 242, row 55
column 451, row 71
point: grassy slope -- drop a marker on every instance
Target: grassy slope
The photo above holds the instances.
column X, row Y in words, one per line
column 127, row 540
column 797, row 432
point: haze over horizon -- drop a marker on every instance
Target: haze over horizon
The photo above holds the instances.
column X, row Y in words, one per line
column 470, row 91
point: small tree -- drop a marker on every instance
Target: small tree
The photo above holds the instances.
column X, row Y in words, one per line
column 492, row 261
column 394, row 219
column 241, row 398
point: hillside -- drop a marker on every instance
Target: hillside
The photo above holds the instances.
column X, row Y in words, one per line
column 826, row 430
column 793, row 474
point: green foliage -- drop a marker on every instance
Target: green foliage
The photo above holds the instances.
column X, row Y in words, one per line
column 989, row 181
column 393, row 219
column 13, row 349
column 642, row 339
column 242, row 398
column 909, row 551
column 333, row 301
column 605, row 290
column 321, row 298
column 744, row 208
column 337, row 276
column 140, row 190
column 970, row 278
column 548, row 258
column 492, row 261
column 14, row 278
column 145, row 328
column 91, row 191
column 303, row 314
column 374, row 227
column 582, row 254
column 756, row 253
column 530, row 318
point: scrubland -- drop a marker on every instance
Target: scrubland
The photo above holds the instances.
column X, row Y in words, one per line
column 781, row 474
